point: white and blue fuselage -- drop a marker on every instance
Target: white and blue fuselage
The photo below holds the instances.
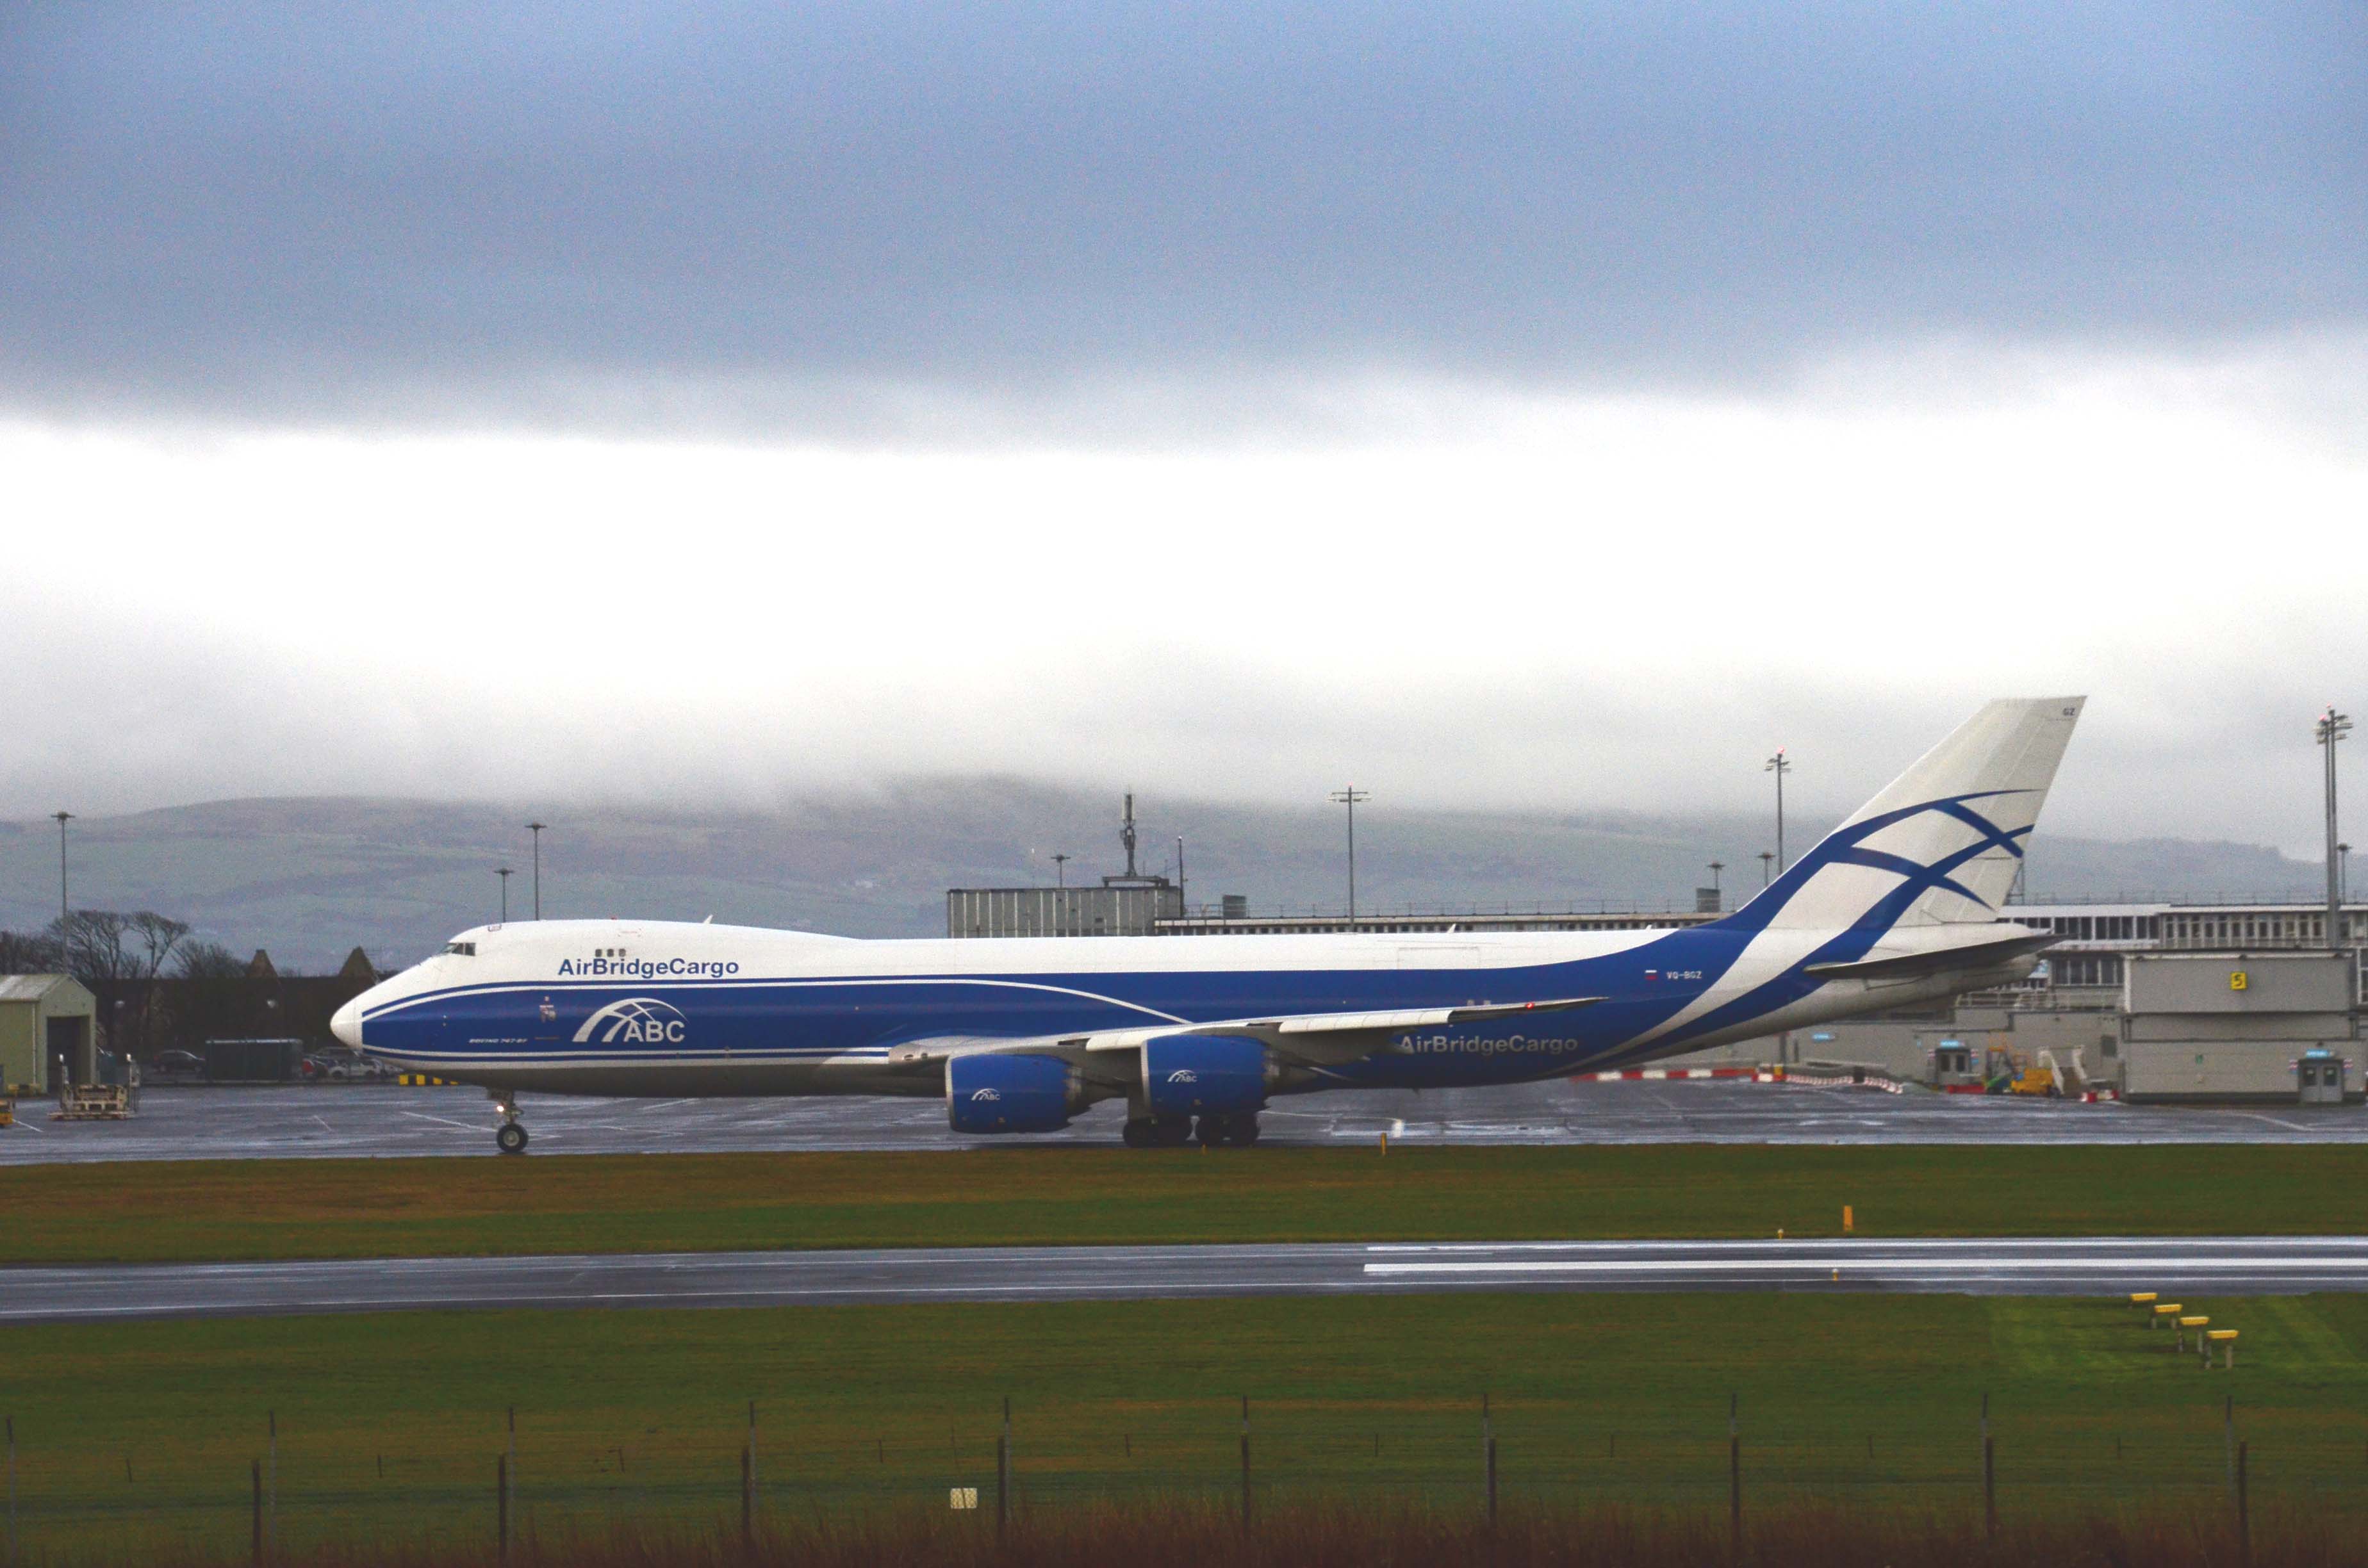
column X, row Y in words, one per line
column 1897, row 905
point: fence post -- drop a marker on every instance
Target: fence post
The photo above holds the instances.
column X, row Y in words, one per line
column 255, row 1547
column 1246, row 1464
column 1989, row 1475
column 1003, row 1470
column 1734, row 1479
column 1488, row 1456
column 502, row 1503
column 2244, row 1517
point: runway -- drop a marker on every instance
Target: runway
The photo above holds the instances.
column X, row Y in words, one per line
column 380, row 1121
column 2078, row 1265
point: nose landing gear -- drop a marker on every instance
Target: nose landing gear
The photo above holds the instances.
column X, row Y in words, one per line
column 511, row 1139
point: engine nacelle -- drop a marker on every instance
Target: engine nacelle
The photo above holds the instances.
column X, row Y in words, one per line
column 1188, row 1074
column 990, row 1093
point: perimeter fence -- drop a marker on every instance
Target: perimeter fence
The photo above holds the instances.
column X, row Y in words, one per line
column 256, row 1489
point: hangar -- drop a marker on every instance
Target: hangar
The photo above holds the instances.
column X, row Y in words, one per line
column 42, row 1017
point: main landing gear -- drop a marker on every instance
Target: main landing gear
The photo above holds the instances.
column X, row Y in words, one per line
column 511, row 1139
column 1238, row 1130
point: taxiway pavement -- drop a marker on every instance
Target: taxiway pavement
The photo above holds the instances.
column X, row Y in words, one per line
column 378, row 1122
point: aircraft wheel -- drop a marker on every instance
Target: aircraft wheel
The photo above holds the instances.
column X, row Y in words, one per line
column 1141, row 1134
column 1215, row 1131
column 1172, row 1131
column 1246, row 1129
column 511, row 1139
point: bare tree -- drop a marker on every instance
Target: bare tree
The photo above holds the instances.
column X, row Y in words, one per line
column 118, row 957
column 208, row 961
column 28, row 953
column 100, row 945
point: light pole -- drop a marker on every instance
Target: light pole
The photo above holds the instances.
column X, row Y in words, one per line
column 63, row 818
column 1717, row 905
column 2343, row 876
column 1767, row 867
column 1779, row 764
column 2332, row 727
column 1349, row 797
column 506, row 874
column 1060, row 871
column 536, row 828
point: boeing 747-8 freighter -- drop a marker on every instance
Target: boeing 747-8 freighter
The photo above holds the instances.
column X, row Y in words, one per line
column 1899, row 904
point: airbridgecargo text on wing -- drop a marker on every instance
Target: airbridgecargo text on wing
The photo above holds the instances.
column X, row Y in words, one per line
column 1415, row 1045
column 1906, row 902
column 646, row 969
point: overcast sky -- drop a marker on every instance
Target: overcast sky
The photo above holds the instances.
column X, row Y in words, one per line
column 1504, row 405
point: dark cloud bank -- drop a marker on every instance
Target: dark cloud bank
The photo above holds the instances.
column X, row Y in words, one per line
column 702, row 216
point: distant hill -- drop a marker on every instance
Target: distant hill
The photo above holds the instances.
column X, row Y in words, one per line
column 310, row 878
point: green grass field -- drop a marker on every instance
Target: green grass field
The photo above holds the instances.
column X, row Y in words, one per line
column 295, row 1208
column 136, row 1439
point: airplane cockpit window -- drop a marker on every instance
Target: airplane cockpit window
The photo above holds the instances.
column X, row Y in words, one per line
column 462, row 949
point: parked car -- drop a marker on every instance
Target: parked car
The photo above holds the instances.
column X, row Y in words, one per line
column 340, row 1065
column 175, row 1067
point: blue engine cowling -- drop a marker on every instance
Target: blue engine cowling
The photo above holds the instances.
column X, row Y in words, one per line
column 1187, row 1075
column 1009, row 1094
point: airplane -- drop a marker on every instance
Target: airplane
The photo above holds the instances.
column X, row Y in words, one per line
column 1897, row 905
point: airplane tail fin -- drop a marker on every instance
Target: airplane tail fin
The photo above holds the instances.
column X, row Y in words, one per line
column 1940, row 846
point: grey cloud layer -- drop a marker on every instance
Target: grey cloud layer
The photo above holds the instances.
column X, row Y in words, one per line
column 297, row 212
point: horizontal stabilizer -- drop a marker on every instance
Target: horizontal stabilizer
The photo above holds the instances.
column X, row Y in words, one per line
column 1909, row 966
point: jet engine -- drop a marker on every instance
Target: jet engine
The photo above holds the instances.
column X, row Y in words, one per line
column 989, row 1093
column 1190, row 1074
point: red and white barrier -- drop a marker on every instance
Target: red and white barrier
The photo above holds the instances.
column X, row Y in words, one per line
column 1629, row 1073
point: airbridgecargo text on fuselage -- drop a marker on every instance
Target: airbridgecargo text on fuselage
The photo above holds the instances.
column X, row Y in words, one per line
column 646, row 969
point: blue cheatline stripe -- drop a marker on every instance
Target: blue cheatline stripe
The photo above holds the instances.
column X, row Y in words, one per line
column 459, row 1059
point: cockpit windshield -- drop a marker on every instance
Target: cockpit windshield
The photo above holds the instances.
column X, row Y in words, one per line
column 462, row 949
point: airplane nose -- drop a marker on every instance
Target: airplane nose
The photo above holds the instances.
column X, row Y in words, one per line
column 346, row 1023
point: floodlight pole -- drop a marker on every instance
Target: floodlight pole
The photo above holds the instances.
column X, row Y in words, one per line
column 1780, row 765
column 1349, row 797
column 536, row 828
column 2332, row 727
column 1060, row 871
column 506, row 874
column 1767, row 867
column 66, row 817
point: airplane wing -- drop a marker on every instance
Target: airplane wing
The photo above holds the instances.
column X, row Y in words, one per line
column 1311, row 1039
